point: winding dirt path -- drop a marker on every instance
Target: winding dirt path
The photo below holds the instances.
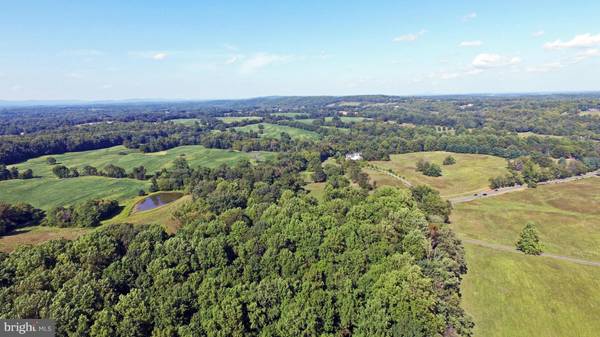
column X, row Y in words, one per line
column 393, row 175
column 510, row 249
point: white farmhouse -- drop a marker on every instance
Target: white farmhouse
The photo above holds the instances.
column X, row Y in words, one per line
column 354, row 156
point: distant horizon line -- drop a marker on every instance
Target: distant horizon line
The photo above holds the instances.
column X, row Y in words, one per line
column 51, row 102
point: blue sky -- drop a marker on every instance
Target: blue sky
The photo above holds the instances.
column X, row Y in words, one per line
column 230, row 49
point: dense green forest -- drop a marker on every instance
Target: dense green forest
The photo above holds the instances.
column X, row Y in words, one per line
column 255, row 256
column 255, row 253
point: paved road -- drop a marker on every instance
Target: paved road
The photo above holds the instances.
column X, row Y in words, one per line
column 504, row 190
column 510, row 249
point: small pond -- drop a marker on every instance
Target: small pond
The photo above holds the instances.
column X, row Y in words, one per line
column 157, row 200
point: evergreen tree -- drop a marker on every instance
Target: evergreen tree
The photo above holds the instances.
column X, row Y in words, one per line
column 529, row 242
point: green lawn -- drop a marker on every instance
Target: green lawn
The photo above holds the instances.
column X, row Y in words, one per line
column 511, row 295
column 186, row 121
column 382, row 179
column 529, row 134
column 47, row 191
column 470, row 174
column 161, row 215
column 567, row 216
column 274, row 131
column 316, row 189
column 329, row 119
column 239, row 119
column 289, row 114
column 196, row 155
column 38, row 234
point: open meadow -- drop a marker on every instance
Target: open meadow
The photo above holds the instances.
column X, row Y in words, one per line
column 470, row 174
column 329, row 119
column 557, row 298
column 46, row 191
column 49, row 192
column 37, row 235
column 567, row 216
column 274, row 131
column 511, row 294
column 162, row 215
column 228, row 120
column 196, row 155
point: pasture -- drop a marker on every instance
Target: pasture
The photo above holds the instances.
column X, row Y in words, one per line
column 196, row 155
column 186, row 121
column 567, row 216
column 329, row 119
column 509, row 294
column 532, row 134
column 36, row 235
column 470, row 174
column 274, row 131
column 46, row 191
column 382, row 179
column 228, row 120
column 162, row 215
column 289, row 114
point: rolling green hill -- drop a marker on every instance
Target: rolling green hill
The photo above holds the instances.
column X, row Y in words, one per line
column 46, row 191
column 274, row 131
column 567, row 216
column 510, row 294
column 470, row 174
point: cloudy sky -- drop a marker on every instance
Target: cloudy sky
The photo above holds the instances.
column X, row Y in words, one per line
column 230, row 49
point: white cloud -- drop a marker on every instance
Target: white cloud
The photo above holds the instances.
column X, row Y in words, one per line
column 159, row 56
column 580, row 41
column 75, row 75
column 586, row 55
column 106, row 86
column 470, row 43
column 450, row 75
column 16, row 87
column 261, row 60
column 469, row 16
column 486, row 61
column 233, row 59
column 546, row 67
column 152, row 55
column 410, row 37
column 538, row 33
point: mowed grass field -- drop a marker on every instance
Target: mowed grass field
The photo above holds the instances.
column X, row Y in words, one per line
column 470, row 174
column 186, row 121
column 381, row 179
column 329, row 119
column 47, row 191
column 37, row 235
column 567, row 217
column 274, row 131
column 162, row 215
column 510, row 295
column 239, row 119
column 196, row 155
